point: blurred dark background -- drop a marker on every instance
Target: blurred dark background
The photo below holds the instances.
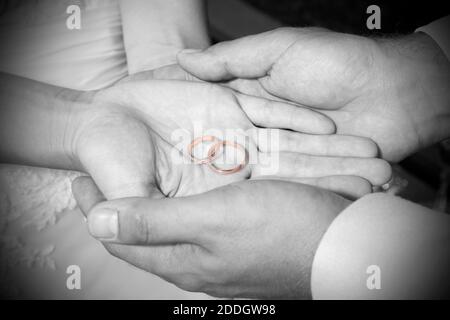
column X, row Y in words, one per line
column 423, row 177
column 350, row 15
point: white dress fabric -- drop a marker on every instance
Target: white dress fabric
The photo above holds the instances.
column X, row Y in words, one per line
column 42, row 232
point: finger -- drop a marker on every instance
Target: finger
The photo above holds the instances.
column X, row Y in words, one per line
column 349, row 187
column 174, row 263
column 86, row 193
column 248, row 57
column 295, row 165
column 251, row 87
column 145, row 221
column 169, row 72
column 275, row 114
column 173, row 72
column 167, row 261
column 270, row 140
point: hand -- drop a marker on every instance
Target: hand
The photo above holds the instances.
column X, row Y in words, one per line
column 126, row 143
column 233, row 241
column 394, row 91
column 168, row 72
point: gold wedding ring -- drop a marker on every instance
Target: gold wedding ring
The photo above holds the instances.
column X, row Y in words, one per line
column 213, row 153
column 238, row 168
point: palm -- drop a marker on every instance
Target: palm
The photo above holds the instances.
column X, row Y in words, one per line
column 338, row 73
column 173, row 119
column 131, row 150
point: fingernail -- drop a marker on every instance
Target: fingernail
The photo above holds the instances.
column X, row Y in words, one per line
column 386, row 186
column 190, row 51
column 103, row 224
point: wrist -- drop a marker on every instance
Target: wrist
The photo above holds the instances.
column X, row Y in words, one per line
column 93, row 119
column 72, row 121
column 38, row 121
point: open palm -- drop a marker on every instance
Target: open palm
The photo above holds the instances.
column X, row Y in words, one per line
column 130, row 146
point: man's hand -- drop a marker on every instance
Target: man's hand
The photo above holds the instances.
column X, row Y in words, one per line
column 253, row 239
column 394, row 91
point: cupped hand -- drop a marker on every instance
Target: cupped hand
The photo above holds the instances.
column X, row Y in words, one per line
column 394, row 91
column 133, row 143
column 252, row 239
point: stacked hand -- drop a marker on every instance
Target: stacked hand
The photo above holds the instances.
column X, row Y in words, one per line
column 127, row 143
column 227, row 242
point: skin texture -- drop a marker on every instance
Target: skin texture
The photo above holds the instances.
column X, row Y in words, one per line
column 394, row 91
column 122, row 137
column 141, row 116
column 212, row 242
column 225, row 242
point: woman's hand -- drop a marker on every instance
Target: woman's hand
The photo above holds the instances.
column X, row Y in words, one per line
column 128, row 146
column 123, row 137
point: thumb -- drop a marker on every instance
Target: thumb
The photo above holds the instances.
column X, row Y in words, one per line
column 247, row 57
column 145, row 221
column 86, row 193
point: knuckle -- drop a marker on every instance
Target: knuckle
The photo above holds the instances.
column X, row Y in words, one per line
column 301, row 164
column 140, row 225
column 267, row 108
column 143, row 228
